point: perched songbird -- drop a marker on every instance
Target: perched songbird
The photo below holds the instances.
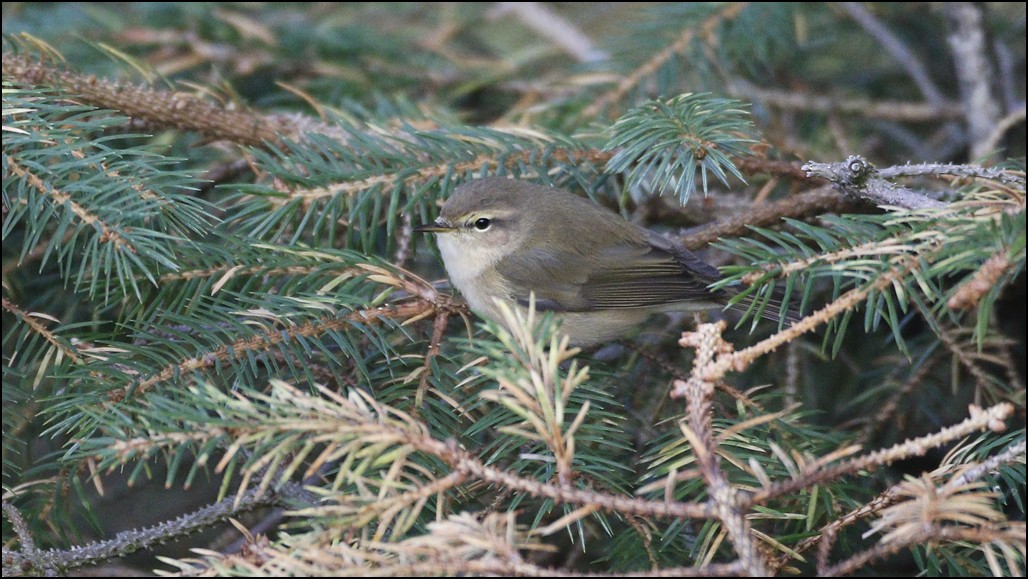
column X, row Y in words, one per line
column 503, row 239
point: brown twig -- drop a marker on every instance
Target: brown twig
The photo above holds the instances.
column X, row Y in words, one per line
column 698, row 390
column 465, row 462
column 66, row 349
column 439, row 325
column 816, row 202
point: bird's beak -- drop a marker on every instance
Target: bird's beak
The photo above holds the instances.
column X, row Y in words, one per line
column 437, row 227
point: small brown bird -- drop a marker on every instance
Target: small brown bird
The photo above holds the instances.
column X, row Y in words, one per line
column 502, row 240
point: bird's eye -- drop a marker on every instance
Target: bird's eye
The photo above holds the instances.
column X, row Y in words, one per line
column 483, row 223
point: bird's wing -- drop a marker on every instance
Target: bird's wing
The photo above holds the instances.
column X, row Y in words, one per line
column 650, row 273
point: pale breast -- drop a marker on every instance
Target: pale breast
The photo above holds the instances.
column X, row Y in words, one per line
column 471, row 270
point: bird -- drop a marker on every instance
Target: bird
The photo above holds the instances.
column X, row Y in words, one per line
column 515, row 242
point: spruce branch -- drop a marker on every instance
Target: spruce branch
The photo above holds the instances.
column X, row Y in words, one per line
column 18, row 563
column 991, row 418
column 108, row 232
column 810, row 204
column 668, row 142
column 402, row 176
column 703, row 31
column 30, row 319
column 982, row 281
column 930, row 535
column 698, row 391
column 964, row 476
column 462, row 544
column 271, row 339
column 159, row 108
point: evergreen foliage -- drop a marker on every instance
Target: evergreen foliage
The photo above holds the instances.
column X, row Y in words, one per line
column 218, row 325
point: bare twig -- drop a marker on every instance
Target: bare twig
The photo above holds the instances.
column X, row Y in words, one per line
column 968, row 45
column 1008, row 122
column 889, row 110
column 1005, row 176
column 28, row 544
column 859, row 179
column 899, row 51
column 555, row 28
